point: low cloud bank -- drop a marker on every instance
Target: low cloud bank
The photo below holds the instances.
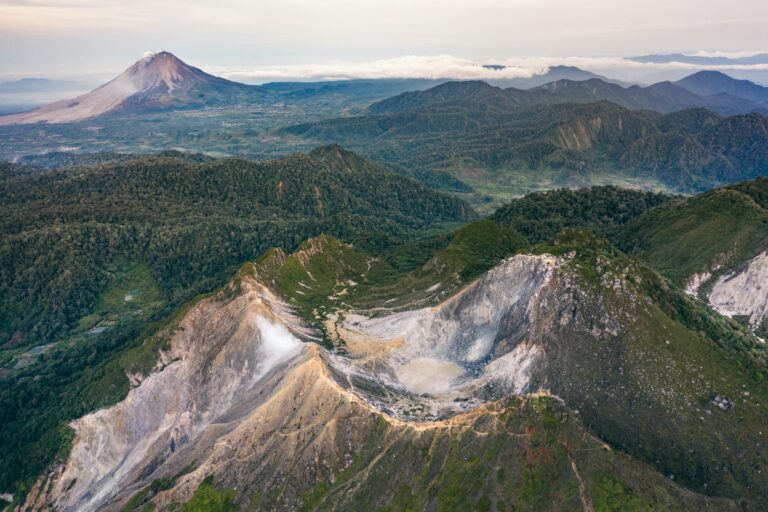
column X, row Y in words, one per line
column 448, row 66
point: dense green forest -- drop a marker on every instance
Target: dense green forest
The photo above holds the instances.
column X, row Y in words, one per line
column 716, row 231
column 601, row 210
column 91, row 258
column 65, row 229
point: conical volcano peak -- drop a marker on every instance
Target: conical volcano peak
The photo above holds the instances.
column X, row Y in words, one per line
column 162, row 58
column 159, row 80
column 162, row 69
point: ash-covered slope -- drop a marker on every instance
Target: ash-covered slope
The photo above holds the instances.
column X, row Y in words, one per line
column 501, row 395
column 157, row 81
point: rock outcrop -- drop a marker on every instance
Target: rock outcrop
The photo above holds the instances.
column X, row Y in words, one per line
column 744, row 293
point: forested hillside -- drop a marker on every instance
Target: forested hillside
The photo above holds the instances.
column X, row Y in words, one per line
column 601, row 210
column 187, row 222
column 502, row 146
column 709, row 234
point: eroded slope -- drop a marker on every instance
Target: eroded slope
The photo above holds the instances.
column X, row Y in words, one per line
column 476, row 401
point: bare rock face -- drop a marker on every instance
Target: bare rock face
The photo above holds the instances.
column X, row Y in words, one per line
column 220, row 353
column 744, row 292
column 431, row 363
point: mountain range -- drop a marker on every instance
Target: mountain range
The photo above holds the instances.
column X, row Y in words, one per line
column 160, row 81
column 712, row 90
column 39, row 85
column 510, row 141
column 759, row 58
column 425, row 295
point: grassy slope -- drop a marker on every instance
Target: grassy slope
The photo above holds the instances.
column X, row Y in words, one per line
column 650, row 388
column 722, row 227
column 532, row 455
column 524, row 453
column 326, row 274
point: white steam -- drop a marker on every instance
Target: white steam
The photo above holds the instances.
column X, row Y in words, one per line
column 277, row 345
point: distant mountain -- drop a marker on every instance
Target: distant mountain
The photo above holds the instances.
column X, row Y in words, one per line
column 552, row 74
column 447, row 93
column 760, row 58
column 157, row 81
column 710, row 83
column 662, row 97
column 346, row 91
column 29, row 93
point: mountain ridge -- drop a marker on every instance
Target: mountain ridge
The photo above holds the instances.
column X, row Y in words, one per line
column 710, row 83
column 488, row 139
column 665, row 97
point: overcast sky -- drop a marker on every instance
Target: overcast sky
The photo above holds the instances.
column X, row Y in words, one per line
column 50, row 37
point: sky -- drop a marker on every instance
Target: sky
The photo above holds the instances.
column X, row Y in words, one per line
column 258, row 37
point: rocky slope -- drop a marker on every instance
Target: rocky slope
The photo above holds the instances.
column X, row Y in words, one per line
column 742, row 293
column 479, row 401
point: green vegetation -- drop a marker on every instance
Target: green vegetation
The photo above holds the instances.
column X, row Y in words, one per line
column 326, row 274
column 94, row 260
column 453, row 469
column 208, row 498
column 141, row 501
column 119, row 266
column 723, row 228
column 504, row 142
column 602, row 210
column 644, row 385
column 187, row 225
column 649, row 390
column 610, row 495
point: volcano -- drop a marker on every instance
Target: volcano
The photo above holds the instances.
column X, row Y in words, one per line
column 158, row 81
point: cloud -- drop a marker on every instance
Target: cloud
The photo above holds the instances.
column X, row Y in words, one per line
column 411, row 66
column 448, row 66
